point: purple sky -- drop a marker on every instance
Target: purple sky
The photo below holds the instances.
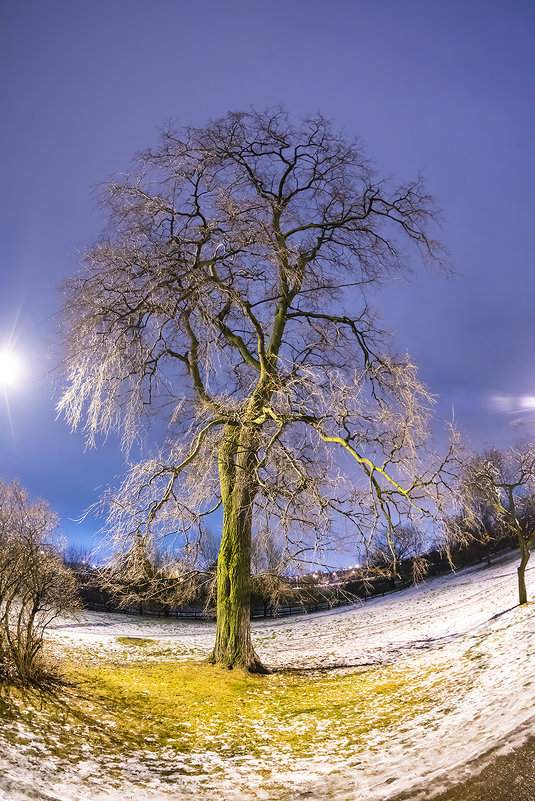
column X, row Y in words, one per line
column 446, row 88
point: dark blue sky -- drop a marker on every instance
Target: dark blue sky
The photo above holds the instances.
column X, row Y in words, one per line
column 446, row 88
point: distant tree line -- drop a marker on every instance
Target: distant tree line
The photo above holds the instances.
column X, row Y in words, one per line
column 149, row 591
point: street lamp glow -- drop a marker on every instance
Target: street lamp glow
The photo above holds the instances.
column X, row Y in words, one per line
column 10, row 368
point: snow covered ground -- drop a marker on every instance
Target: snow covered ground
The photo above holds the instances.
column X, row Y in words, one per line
column 461, row 637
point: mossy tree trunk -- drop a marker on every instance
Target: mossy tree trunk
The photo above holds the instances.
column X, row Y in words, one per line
column 237, row 462
column 238, row 478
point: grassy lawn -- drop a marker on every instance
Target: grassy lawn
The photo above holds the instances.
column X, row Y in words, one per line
column 166, row 708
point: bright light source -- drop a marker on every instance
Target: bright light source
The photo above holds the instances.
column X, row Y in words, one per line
column 513, row 404
column 10, row 368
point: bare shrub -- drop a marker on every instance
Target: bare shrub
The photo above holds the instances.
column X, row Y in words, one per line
column 35, row 586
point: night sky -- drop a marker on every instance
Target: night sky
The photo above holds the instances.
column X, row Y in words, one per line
column 445, row 88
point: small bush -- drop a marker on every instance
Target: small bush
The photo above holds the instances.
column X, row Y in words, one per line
column 35, row 586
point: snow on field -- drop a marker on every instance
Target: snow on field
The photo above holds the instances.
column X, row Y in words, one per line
column 465, row 629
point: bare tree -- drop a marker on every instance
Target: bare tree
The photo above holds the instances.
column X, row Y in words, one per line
column 231, row 296
column 77, row 557
column 144, row 575
column 502, row 484
column 35, row 587
column 402, row 543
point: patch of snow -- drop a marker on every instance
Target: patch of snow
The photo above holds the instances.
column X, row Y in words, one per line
column 467, row 628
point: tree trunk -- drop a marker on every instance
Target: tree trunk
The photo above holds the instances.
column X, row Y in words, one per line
column 521, row 570
column 233, row 647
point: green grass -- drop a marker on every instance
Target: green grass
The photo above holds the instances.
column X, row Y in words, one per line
column 142, row 642
column 116, row 709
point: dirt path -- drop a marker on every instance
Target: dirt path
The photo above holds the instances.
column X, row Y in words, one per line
column 506, row 777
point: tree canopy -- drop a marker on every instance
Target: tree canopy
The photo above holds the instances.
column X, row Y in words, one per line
column 231, row 296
